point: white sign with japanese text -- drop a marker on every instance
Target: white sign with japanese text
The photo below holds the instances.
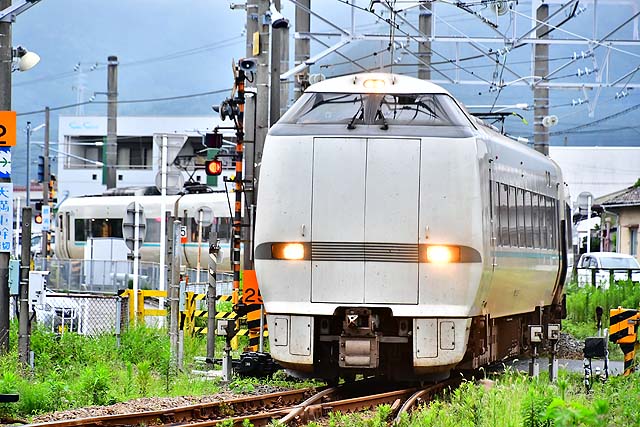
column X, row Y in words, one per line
column 46, row 217
column 6, row 216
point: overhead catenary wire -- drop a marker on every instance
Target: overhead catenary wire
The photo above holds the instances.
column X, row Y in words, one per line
column 129, row 101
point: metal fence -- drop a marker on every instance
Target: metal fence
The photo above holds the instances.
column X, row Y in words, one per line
column 108, row 277
column 603, row 277
column 96, row 276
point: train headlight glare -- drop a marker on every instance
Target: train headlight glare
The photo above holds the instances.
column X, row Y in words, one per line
column 375, row 84
column 287, row 251
column 443, row 254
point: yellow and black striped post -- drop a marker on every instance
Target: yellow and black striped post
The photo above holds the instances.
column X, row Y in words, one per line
column 623, row 331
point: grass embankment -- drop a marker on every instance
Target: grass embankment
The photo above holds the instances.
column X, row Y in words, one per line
column 72, row 371
column 514, row 399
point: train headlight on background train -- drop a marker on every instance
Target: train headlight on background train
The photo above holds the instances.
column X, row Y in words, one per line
column 442, row 254
column 290, row 251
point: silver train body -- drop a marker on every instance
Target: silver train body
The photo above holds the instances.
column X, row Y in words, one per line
column 81, row 218
column 398, row 235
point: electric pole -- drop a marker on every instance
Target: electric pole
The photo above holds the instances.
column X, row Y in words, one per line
column 6, row 59
column 541, row 94
column 279, row 48
column 424, row 48
column 47, row 179
column 112, row 122
column 302, row 46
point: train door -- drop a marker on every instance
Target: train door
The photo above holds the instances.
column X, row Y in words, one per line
column 337, row 219
column 391, row 221
column 364, row 223
column 494, row 221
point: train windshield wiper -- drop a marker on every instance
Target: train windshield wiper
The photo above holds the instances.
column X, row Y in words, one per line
column 385, row 125
column 351, row 124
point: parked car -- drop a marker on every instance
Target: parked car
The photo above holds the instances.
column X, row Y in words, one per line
column 58, row 313
column 604, row 265
column 36, row 244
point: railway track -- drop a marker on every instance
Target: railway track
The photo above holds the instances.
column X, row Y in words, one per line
column 292, row 407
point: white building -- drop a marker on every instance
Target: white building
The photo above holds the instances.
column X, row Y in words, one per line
column 81, row 140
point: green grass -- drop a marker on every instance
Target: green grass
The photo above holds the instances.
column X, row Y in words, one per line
column 515, row 400
column 73, row 370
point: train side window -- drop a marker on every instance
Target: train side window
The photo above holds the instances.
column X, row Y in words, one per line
column 522, row 236
column 503, row 214
column 153, row 230
column 543, row 221
column 80, row 230
column 535, row 220
column 528, row 218
column 554, row 224
column 194, row 231
column 548, row 222
column 223, row 227
column 513, row 223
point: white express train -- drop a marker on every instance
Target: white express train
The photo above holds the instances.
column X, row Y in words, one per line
column 398, row 235
column 81, row 218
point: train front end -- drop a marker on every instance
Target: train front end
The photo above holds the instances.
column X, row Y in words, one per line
column 369, row 229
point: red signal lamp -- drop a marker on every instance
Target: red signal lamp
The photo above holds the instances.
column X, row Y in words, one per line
column 213, row 167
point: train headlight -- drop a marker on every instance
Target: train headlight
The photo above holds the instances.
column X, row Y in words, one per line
column 287, row 251
column 375, row 84
column 443, row 254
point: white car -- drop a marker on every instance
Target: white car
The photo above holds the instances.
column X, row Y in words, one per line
column 58, row 313
column 605, row 264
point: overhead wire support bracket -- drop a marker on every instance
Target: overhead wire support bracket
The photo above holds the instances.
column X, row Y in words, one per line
column 9, row 14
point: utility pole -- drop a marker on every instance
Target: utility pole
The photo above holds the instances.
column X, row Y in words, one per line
column 541, row 94
column 279, row 45
column 302, row 46
column 6, row 58
column 424, row 48
column 24, row 324
column 47, row 179
column 262, row 87
column 112, row 122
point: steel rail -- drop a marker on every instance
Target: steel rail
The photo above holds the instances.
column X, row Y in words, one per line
column 186, row 414
column 425, row 394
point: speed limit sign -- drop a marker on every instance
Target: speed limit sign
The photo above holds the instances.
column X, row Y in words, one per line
column 183, row 234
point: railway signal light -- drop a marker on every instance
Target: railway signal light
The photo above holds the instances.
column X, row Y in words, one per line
column 213, row 167
column 40, row 168
column 38, row 213
column 212, row 140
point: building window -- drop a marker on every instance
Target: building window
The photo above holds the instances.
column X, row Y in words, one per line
column 135, row 152
column 633, row 241
column 82, row 152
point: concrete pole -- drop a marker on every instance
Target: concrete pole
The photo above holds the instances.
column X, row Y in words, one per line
column 112, row 122
column 174, row 290
column 541, row 94
column 249, row 116
column 28, row 167
column 424, row 49
column 6, row 57
column 302, row 47
column 284, row 65
column 274, row 72
column 262, row 86
column 47, row 179
column 24, row 324
column 211, row 297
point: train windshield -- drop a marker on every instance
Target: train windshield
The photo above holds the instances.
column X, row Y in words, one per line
column 376, row 109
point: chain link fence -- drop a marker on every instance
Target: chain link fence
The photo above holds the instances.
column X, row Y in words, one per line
column 97, row 276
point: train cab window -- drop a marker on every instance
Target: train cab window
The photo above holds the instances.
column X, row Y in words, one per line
column 80, row 231
column 376, row 109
